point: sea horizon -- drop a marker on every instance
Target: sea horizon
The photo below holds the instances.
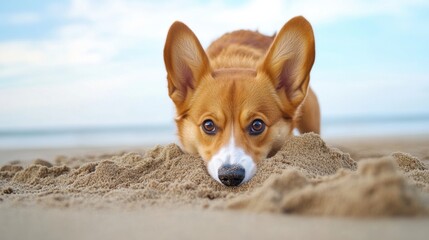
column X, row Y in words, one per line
column 147, row 135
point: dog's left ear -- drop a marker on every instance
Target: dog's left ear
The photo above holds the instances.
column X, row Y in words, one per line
column 185, row 61
column 289, row 60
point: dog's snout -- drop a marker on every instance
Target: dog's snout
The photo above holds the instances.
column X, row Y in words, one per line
column 231, row 175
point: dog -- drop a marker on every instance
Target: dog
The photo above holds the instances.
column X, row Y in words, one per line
column 241, row 99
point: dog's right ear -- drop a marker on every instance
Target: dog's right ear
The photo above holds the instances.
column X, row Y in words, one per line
column 185, row 61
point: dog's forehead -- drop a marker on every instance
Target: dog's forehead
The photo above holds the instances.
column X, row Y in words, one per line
column 233, row 87
column 234, row 93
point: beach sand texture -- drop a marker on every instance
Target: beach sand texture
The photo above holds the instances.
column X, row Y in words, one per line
column 306, row 177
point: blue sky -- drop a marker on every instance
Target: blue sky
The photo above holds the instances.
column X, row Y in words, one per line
column 99, row 63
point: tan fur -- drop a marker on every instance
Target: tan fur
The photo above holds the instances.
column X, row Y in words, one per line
column 244, row 76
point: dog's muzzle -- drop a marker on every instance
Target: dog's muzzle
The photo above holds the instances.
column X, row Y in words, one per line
column 231, row 166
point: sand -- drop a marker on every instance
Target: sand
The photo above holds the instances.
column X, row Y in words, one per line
column 305, row 180
column 304, row 177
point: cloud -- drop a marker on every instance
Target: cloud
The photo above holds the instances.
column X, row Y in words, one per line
column 96, row 31
column 110, row 52
column 18, row 52
column 23, row 18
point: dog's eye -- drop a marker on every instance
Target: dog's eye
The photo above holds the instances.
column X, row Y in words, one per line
column 256, row 127
column 209, row 127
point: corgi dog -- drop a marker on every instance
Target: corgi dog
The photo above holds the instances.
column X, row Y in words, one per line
column 240, row 100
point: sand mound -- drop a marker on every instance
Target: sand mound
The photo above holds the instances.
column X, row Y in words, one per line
column 375, row 189
column 305, row 177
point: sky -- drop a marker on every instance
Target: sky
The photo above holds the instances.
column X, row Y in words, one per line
column 77, row 63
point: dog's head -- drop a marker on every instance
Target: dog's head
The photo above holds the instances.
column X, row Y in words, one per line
column 235, row 117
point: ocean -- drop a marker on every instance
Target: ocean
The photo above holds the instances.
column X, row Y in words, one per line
column 164, row 134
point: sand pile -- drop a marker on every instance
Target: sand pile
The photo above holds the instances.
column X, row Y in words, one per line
column 375, row 189
column 305, row 177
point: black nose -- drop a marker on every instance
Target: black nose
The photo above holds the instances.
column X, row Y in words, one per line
column 231, row 175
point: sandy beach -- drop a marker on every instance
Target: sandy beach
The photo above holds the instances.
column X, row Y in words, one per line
column 356, row 188
column 96, row 98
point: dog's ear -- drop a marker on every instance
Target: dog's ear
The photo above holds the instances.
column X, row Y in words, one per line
column 289, row 60
column 185, row 61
